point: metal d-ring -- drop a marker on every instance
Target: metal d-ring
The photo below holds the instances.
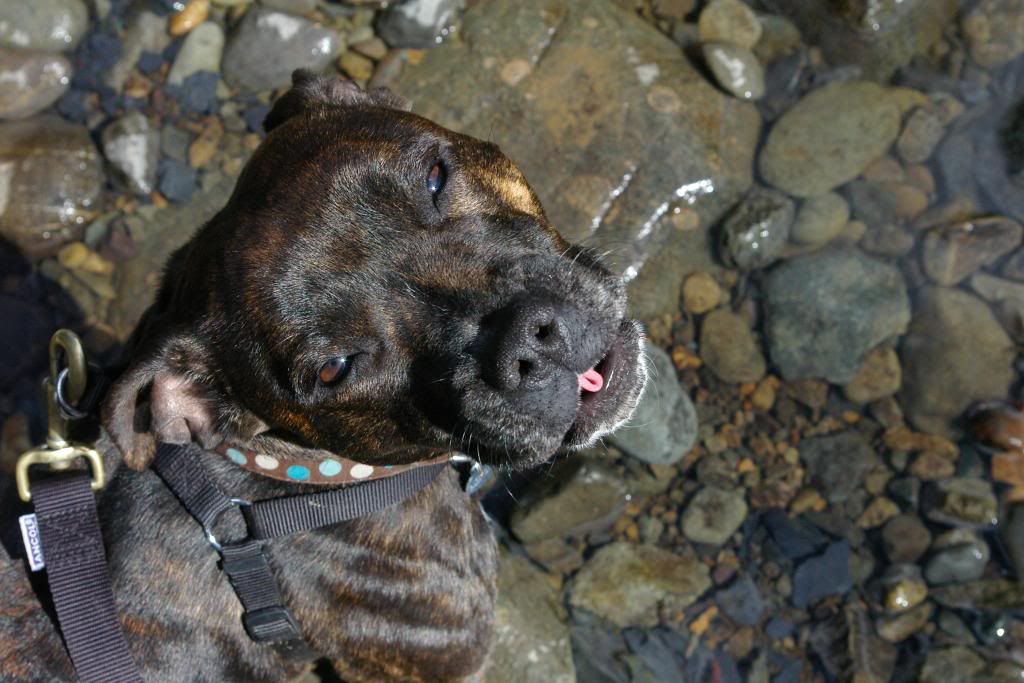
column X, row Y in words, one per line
column 60, row 387
column 208, row 530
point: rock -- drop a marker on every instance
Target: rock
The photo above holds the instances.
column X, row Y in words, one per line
column 879, row 376
column 627, row 584
column 959, row 556
column 796, row 537
column 820, row 219
column 931, row 466
column 756, row 231
column 356, row 66
column 41, row 79
column 905, row 539
column 298, row 7
column 962, row 502
column 616, row 186
column 1002, row 595
column 954, row 331
column 664, row 426
column 177, row 180
column 580, row 498
column 838, row 463
column 1013, row 536
column 268, row 46
column 951, row 665
column 899, row 627
column 374, row 48
column 701, row 293
column 847, row 647
column 714, row 515
column 418, row 23
column 949, row 254
column 921, row 135
column 779, row 38
column 736, row 69
column 50, row 180
column 995, row 31
column 50, row 25
column 904, row 587
column 826, row 310
column 728, row 347
column 829, row 137
column 887, row 239
column 146, row 32
column 731, row 22
column 191, row 15
column 741, row 601
column 877, row 513
column 531, row 638
column 823, row 575
column 132, row 146
column 201, row 51
column 879, row 37
column 1007, row 299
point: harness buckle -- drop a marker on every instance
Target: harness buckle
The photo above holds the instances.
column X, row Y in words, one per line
column 240, row 505
column 57, row 459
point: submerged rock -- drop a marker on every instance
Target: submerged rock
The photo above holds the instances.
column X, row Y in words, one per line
column 731, row 22
column 418, row 23
column 756, row 231
column 132, row 145
column 995, row 31
column 820, row 219
column 961, row 501
column 823, row 575
column 51, row 25
column 736, row 69
column 728, row 347
column 201, row 51
column 714, row 515
column 958, row 556
column 41, row 79
column 837, row 463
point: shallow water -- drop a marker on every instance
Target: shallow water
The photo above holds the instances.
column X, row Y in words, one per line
column 817, row 204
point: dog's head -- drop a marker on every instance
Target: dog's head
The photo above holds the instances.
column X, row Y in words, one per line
column 381, row 288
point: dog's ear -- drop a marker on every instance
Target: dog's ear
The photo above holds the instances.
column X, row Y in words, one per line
column 310, row 90
column 169, row 394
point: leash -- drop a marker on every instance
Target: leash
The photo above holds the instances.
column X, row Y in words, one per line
column 65, row 537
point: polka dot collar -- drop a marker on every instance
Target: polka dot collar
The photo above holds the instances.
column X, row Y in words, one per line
column 333, row 470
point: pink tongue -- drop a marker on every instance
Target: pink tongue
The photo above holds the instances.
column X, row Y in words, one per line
column 591, row 380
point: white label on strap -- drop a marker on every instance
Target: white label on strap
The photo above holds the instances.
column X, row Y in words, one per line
column 33, row 546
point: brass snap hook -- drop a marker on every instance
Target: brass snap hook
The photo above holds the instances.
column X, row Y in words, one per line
column 66, row 384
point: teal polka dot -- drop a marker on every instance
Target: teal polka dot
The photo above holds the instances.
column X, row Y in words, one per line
column 237, row 456
column 329, row 468
column 298, row 472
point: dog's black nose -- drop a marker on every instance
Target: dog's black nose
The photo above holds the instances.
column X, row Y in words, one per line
column 533, row 337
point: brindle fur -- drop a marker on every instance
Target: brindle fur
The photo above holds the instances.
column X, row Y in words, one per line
column 330, row 245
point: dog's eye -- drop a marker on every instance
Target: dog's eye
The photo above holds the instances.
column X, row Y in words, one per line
column 334, row 370
column 436, row 179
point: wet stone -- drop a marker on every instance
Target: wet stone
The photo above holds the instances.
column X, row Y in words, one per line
column 826, row 310
column 728, row 347
column 741, row 601
column 829, row 137
column 418, row 23
column 53, row 175
column 795, row 536
column 905, row 539
column 268, row 46
column 958, row 556
column 714, row 515
column 50, row 25
column 736, row 69
column 756, row 231
column 42, row 79
column 961, row 502
column 879, row 376
column 899, row 627
column 822, row 575
column 731, row 22
column 201, row 51
column 701, row 293
column 994, row 31
column 955, row 331
column 1013, row 536
column 664, row 426
column 146, row 33
column 837, row 464
column 921, row 135
column 779, row 38
column 820, row 219
column 178, row 180
column 887, row 239
column 951, row 665
column 950, row 254
column 627, row 584
column 132, row 146
column 904, row 588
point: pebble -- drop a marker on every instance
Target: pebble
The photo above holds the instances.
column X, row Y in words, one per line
column 714, row 515
column 178, row 180
column 205, row 147
column 838, row 463
column 729, row 348
column 664, row 426
column 905, row 539
column 132, row 146
column 829, row 137
column 962, row 502
column 299, row 7
column 922, row 133
column 1013, row 537
column 955, row 331
column 755, row 233
column 930, row 466
column 174, row 142
column 146, row 32
column 55, row 172
column 822, row 575
column 850, row 301
column 958, row 556
column 779, row 38
column 201, row 50
column 955, row 664
column 49, row 25
column 356, row 66
column 877, row 513
column 731, row 22
column 418, row 23
column 887, row 239
column 736, row 69
column 995, row 31
column 904, row 587
column 795, row 537
column 701, row 293
column 268, row 46
column 741, row 601
column 879, row 376
column 820, row 219
column 191, row 15
column 629, row 584
column 950, row 254
column 41, row 80
column 899, row 627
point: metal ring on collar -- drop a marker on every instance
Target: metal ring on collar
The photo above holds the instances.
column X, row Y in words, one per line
column 60, row 388
column 211, row 539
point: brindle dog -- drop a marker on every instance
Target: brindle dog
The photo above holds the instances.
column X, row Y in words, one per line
column 378, row 287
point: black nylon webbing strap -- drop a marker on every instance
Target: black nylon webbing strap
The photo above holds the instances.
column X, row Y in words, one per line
column 76, row 570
